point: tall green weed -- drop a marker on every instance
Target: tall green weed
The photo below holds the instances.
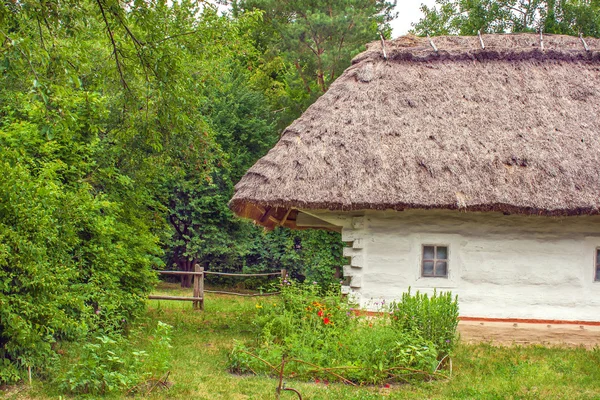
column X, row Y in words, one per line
column 434, row 317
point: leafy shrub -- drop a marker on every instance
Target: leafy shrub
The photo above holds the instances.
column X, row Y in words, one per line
column 435, row 318
column 112, row 364
column 72, row 261
column 320, row 336
column 8, row 371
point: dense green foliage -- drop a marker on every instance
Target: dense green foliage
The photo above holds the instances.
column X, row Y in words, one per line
column 311, row 255
column 320, row 336
column 466, row 17
column 88, row 149
column 308, row 43
column 76, row 255
column 123, row 127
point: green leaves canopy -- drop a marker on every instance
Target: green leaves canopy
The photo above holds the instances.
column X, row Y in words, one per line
column 101, row 109
column 466, row 17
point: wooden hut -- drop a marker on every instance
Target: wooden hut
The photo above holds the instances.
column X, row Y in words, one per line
column 456, row 163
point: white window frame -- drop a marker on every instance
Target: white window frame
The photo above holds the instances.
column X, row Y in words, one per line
column 596, row 265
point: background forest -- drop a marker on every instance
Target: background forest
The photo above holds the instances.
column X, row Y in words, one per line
column 124, row 126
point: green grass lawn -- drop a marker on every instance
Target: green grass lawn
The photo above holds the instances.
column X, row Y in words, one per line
column 202, row 340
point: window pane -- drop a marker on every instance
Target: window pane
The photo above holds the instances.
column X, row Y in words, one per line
column 598, row 272
column 441, row 268
column 427, row 268
column 428, row 253
column 597, row 256
column 442, row 253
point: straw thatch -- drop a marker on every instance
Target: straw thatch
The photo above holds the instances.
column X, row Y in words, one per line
column 507, row 128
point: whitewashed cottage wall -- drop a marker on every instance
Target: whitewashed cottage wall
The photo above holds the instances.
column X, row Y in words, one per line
column 521, row 267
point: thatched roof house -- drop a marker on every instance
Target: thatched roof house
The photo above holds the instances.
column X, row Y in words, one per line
column 501, row 133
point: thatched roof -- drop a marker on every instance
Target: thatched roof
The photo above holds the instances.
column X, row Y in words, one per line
column 509, row 128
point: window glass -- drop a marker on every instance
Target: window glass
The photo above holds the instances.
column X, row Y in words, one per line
column 441, row 253
column 427, row 268
column 428, row 252
column 441, row 268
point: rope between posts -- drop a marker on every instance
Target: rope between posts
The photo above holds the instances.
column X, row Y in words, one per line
column 243, row 275
column 242, row 294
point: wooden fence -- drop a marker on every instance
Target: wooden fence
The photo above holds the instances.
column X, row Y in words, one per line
column 198, row 285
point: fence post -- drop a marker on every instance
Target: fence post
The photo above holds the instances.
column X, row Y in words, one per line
column 283, row 275
column 199, row 287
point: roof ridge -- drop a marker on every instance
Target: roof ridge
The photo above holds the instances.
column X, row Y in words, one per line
column 507, row 47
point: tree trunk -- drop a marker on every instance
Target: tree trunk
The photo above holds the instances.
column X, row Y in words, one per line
column 186, row 280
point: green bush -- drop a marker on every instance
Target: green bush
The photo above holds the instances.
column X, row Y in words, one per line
column 112, row 364
column 70, row 261
column 435, row 318
column 321, row 336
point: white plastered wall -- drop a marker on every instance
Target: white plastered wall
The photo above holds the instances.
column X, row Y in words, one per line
column 510, row 267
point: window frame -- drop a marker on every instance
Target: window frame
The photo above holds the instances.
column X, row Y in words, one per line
column 596, row 265
column 435, row 260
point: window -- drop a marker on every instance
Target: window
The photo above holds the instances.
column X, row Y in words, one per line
column 435, row 261
column 597, row 277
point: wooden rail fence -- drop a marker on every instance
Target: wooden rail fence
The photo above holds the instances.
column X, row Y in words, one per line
column 198, row 285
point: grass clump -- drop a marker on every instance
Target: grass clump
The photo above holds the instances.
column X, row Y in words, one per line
column 321, row 337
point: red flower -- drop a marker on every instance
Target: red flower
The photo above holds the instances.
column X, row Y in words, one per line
column 320, row 313
column 326, row 321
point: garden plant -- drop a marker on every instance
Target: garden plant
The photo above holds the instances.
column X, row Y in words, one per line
column 318, row 335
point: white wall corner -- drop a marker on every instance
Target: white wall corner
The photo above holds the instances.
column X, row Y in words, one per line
column 348, row 270
column 356, row 282
column 350, row 235
column 358, row 243
column 357, row 256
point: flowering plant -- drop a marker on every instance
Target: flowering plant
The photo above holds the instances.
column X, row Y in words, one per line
column 318, row 332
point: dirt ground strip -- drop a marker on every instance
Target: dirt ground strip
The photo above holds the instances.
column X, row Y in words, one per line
column 509, row 333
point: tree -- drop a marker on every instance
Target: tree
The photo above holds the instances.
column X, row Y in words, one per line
column 467, row 17
column 242, row 124
column 98, row 111
column 309, row 43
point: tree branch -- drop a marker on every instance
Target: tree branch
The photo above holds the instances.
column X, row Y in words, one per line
column 114, row 45
column 24, row 55
column 299, row 68
column 175, row 36
column 175, row 225
column 339, row 52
